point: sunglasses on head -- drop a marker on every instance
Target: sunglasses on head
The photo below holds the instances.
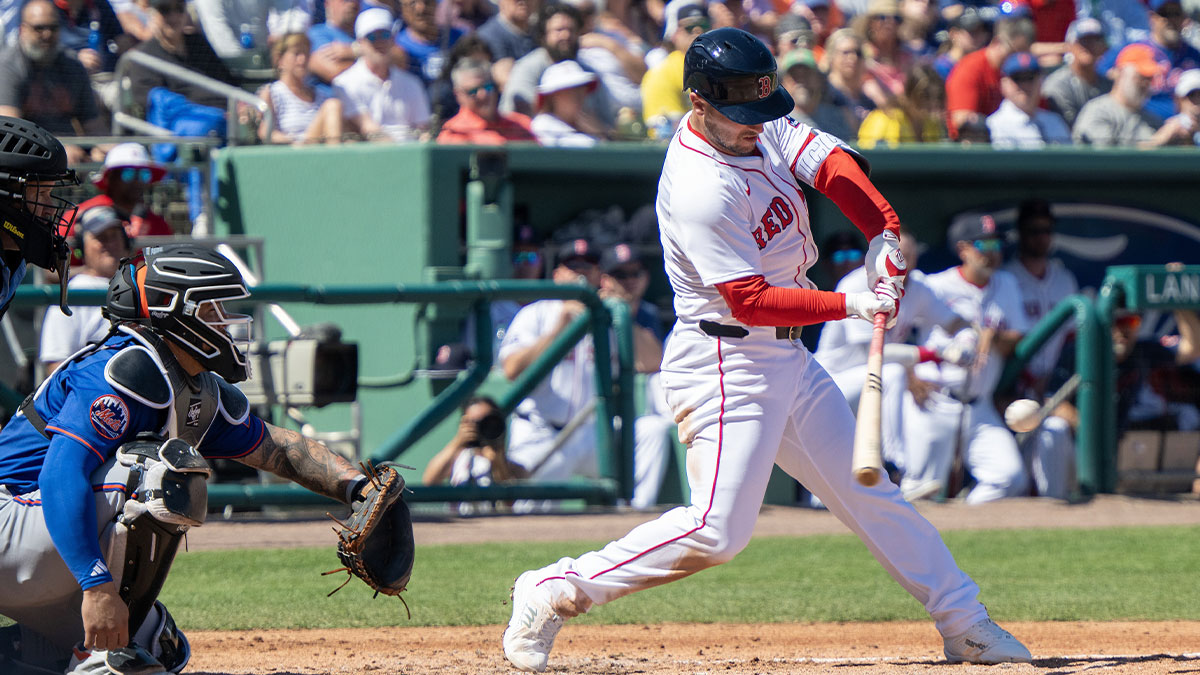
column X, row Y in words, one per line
column 527, row 258
column 487, row 87
column 988, row 245
column 846, row 255
column 131, row 174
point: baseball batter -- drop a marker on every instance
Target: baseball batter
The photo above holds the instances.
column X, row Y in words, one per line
column 746, row 394
column 103, row 469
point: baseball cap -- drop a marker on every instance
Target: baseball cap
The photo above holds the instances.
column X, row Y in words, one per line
column 972, row 228
column 98, row 219
column 1015, row 9
column 797, row 57
column 1142, row 57
column 371, row 20
column 791, row 22
column 1189, row 81
column 883, row 8
column 1156, row 5
column 969, row 20
column 1081, row 28
column 562, row 76
column 128, row 155
column 576, row 248
column 1021, row 62
column 814, row 4
column 618, row 255
column 680, row 10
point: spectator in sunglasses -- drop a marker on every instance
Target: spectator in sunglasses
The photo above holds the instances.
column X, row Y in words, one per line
column 128, row 173
column 379, row 99
column 886, row 58
column 479, row 120
column 1019, row 122
column 45, row 83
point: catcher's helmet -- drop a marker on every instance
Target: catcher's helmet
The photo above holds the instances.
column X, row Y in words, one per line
column 32, row 158
column 735, row 72
column 178, row 291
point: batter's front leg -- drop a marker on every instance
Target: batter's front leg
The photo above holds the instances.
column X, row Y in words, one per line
column 816, row 450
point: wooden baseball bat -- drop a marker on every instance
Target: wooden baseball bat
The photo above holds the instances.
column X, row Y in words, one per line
column 867, row 463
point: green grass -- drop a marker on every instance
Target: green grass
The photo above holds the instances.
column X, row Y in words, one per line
column 1026, row 575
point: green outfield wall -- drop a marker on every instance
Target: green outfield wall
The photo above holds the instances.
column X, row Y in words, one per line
column 370, row 214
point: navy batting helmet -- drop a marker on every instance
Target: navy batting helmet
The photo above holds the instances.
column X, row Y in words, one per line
column 736, row 73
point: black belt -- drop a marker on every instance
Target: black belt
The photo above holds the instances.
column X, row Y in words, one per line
column 721, row 330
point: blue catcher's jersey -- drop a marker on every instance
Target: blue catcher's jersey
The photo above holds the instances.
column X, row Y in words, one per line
column 77, row 402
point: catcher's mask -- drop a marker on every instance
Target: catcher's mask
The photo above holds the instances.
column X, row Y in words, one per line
column 33, row 164
column 179, row 292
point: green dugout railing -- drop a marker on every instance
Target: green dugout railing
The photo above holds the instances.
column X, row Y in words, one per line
column 614, row 397
column 1091, row 463
column 1136, row 288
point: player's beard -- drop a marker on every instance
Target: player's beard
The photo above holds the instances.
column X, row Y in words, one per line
column 730, row 144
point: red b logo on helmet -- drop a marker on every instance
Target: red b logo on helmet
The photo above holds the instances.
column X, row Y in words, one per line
column 764, row 86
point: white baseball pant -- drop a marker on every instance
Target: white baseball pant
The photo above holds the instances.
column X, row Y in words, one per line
column 758, row 402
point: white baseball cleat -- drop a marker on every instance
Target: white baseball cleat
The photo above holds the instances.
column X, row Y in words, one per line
column 533, row 627
column 987, row 643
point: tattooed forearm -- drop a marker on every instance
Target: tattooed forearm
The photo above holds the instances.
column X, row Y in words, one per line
column 304, row 461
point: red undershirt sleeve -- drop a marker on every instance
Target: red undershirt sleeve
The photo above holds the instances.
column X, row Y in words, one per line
column 842, row 180
column 756, row 303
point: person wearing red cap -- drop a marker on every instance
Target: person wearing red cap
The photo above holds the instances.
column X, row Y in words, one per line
column 128, row 172
column 1119, row 117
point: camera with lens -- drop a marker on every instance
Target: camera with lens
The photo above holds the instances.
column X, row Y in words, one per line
column 490, row 427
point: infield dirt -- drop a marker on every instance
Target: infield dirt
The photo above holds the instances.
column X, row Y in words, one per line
column 844, row 648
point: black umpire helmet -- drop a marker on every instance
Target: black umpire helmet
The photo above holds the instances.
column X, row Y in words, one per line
column 736, row 73
column 32, row 159
column 177, row 291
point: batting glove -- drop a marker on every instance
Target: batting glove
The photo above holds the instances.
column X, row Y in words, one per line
column 961, row 349
column 886, row 267
column 866, row 304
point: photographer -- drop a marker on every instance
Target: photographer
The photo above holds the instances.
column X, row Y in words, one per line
column 476, row 454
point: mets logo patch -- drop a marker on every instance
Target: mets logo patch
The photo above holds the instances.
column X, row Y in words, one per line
column 109, row 416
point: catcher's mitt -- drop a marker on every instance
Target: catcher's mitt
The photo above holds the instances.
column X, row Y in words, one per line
column 376, row 541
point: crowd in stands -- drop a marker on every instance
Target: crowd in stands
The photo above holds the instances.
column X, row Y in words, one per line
column 1018, row 73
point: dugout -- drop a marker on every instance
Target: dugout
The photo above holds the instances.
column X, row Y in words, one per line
column 397, row 214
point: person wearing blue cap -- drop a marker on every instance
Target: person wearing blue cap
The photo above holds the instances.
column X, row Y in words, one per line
column 1019, row 122
column 973, row 88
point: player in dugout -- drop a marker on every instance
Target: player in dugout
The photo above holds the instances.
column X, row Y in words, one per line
column 745, row 391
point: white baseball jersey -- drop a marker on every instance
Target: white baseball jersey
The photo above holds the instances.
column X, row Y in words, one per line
column 1040, row 296
column 844, row 344
column 748, row 403
column 997, row 305
column 569, row 386
column 723, row 218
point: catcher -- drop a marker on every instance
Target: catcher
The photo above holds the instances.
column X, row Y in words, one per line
column 104, row 468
